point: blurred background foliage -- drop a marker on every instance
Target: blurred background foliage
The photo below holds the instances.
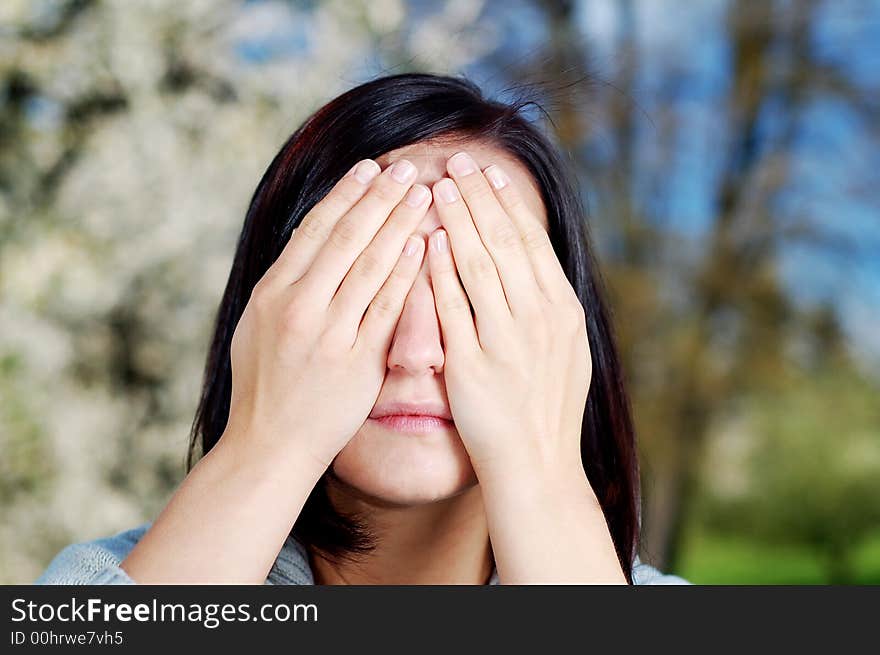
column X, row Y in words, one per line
column 728, row 151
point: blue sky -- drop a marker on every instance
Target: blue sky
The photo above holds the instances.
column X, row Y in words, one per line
column 684, row 58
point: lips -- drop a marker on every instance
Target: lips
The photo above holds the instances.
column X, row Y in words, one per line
column 412, row 409
column 413, row 424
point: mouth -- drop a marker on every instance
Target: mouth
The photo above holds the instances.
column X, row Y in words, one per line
column 412, row 423
column 412, row 418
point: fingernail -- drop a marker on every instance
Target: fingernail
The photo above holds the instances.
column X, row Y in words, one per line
column 417, row 196
column 462, row 164
column 497, row 177
column 366, row 171
column 447, row 190
column 441, row 244
column 403, row 171
column 413, row 245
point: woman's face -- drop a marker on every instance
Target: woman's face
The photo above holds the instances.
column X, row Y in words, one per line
column 412, row 462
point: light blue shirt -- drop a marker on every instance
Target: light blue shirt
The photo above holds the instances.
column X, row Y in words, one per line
column 97, row 563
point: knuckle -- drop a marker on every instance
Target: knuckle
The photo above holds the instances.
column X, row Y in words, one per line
column 575, row 317
column 399, row 277
column 444, row 266
column 477, row 190
column 366, row 265
column 536, row 239
column 345, row 194
column 533, row 313
column 343, row 234
column 572, row 301
column 330, row 344
column 237, row 336
column 313, row 227
column 341, row 197
column 292, row 320
column 512, row 200
column 480, row 266
column 454, row 305
column 538, row 329
column 383, row 304
column 385, row 192
column 288, row 321
column 505, row 235
column 506, row 351
column 260, row 298
column 271, row 279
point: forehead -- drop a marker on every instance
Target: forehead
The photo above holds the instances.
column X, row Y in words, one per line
column 430, row 158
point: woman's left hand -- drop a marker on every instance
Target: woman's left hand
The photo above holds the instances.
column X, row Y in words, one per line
column 517, row 375
column 518, row 371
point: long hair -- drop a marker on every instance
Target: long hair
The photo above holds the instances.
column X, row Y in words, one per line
column 367, row 121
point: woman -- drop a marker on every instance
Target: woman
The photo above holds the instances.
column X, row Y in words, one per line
column 397, row 387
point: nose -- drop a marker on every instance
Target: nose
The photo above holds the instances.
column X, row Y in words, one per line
column 417, row 345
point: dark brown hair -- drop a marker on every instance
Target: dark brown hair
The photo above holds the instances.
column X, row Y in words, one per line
column 370, row 120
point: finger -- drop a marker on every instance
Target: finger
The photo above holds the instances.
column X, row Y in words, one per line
column 375, row 263
column 545, row 264
column 383, row 313
column 311, row 233
column 354, row 231
column 473, row 262
column 453, row 307
column 499, row 234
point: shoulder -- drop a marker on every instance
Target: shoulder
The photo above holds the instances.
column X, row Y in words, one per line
column 645, row 574
column 93, row 562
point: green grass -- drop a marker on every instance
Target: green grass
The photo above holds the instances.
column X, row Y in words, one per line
column 866, row 559
column 713, row 559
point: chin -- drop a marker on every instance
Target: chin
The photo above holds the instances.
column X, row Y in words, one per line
column 390, row 467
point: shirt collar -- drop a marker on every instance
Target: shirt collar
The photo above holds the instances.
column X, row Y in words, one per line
column 292, row 566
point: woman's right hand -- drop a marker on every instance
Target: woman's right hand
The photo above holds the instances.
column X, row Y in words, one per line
column 309, row 353
column 309, row 356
